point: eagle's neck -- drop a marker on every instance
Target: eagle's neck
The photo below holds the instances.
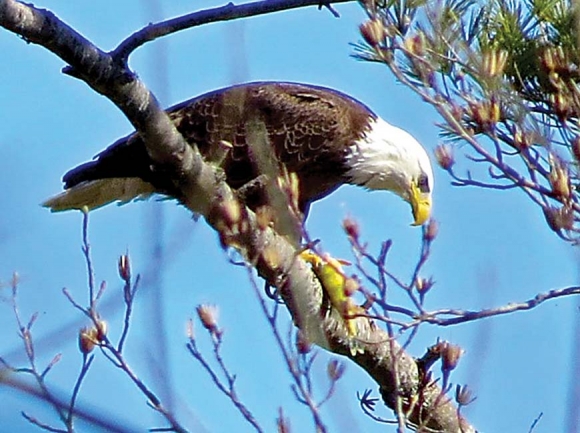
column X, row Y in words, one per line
column 381, row 159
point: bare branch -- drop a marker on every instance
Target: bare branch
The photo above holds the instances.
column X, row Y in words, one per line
column 97, row 419
column 228, row 388
column 463, row 316
column 41, row 425
column 203, row 191
column 227, row 12
column 87, row 361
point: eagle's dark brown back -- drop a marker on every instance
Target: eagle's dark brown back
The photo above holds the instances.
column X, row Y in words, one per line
column 309, row 129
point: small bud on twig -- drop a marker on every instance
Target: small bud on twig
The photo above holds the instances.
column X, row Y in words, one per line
column 335, row 369
column 431, row 230
column 102, row 288
column 51, row 364
column 33, row 319
column 486, row 113
column 373, row 32
column 559, row 179
column 416, row 44
column 101, row 329
column 351, row 228
column 125, row 267
column 450, row 354
column 208, row 315
column 302, row 344
column 423, row 285
column 282, row 422
column 463, row 395
column 457, row 111
column 522, row 139
column 444, row 156
column 87, row 341
column 559, row 218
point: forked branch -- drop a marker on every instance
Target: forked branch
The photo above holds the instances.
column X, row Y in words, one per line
column 204, row 192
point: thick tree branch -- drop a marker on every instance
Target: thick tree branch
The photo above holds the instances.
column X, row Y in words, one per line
column 202, row 191
column 98, row 70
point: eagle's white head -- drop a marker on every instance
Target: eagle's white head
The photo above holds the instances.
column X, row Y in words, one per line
column 389, row 158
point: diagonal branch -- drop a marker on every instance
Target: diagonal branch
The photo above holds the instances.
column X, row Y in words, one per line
column 203, row 191
column 101, row 420
column 97, row 68
column 227, row 12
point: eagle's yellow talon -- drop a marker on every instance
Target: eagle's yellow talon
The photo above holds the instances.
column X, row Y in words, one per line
column 329, row 272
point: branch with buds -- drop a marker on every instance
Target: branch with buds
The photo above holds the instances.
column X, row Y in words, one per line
column 510, row 92
column 259, row 243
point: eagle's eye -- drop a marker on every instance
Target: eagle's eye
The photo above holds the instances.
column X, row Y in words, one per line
column 423, row 183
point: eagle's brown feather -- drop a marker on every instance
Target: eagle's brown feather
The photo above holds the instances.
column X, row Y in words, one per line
column 309, row 128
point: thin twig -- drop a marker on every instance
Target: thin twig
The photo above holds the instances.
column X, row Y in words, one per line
column 87, row 361
column 302, row 393
column 129, row 290
column 229, row 391
column 86, row 247
column 463, row 316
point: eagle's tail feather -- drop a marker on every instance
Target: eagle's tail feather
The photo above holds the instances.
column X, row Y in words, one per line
column 93, row 194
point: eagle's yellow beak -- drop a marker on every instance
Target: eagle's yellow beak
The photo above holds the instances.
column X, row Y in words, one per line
column 421, row 204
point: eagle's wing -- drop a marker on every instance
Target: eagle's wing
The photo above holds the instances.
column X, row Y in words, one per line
column 309, row 130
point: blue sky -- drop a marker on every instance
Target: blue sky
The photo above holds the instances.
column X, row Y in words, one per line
column 493, row 247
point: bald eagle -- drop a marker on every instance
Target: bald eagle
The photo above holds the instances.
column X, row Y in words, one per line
column 323, row 136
